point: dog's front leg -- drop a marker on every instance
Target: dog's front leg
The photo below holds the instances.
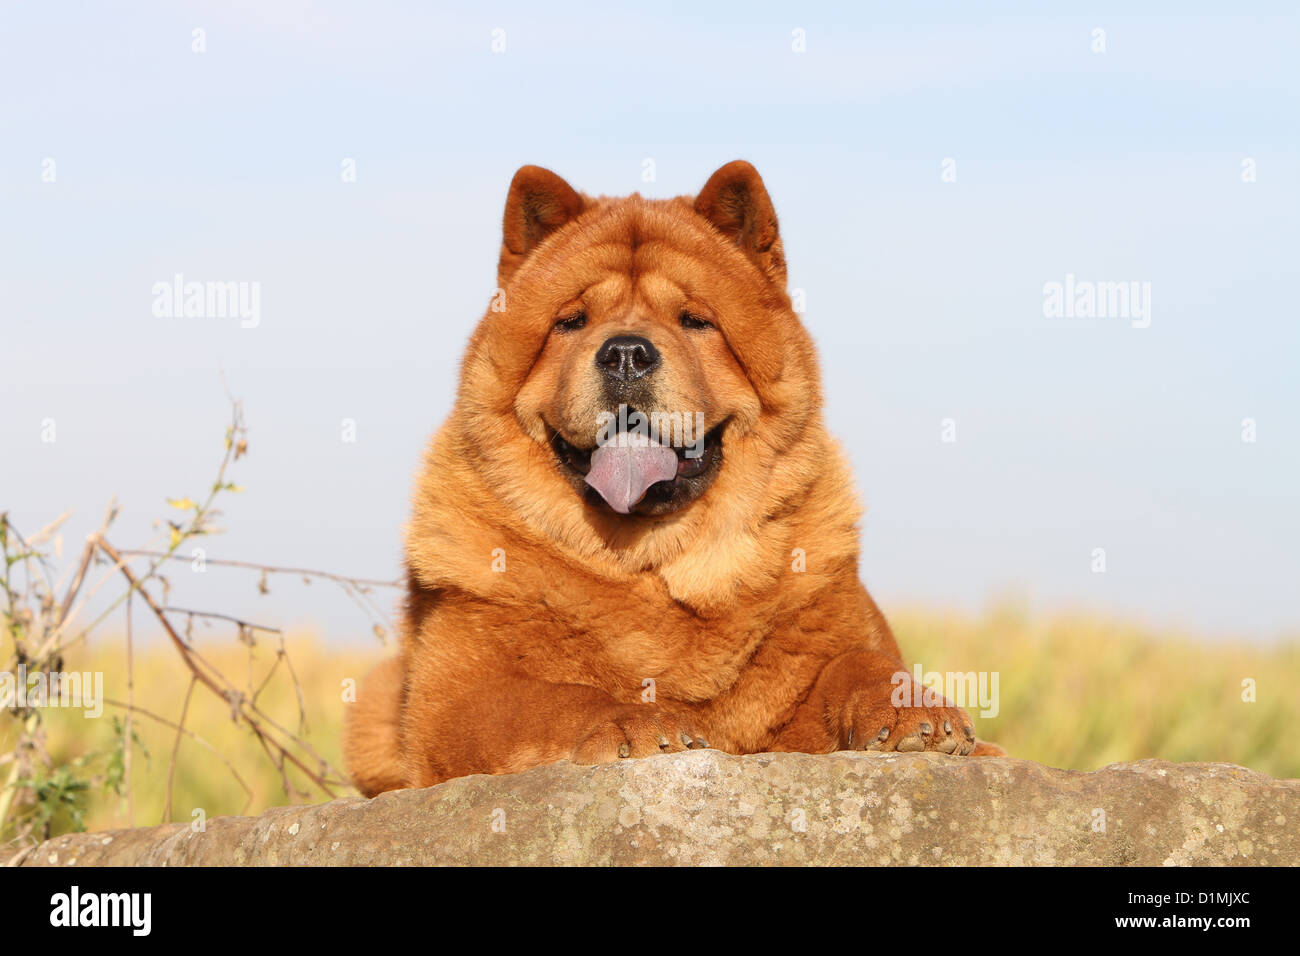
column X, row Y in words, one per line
column 505, row 722
column 867, row 700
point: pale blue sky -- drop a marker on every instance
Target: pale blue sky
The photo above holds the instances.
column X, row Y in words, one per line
column 925, row 297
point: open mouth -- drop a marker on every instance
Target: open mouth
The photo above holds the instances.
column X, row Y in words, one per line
column 634, row 475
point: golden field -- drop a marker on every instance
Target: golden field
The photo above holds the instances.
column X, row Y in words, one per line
column 1074, row 692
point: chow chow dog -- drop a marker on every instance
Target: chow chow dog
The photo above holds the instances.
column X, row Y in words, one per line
column 634, row 534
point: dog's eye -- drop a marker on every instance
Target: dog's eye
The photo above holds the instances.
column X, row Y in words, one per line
column 572, row 323
column 694, row 322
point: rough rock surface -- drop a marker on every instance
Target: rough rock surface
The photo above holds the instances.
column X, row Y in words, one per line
column 708, row 807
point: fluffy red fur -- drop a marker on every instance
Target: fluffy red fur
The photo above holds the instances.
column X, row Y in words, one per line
column 541, row 625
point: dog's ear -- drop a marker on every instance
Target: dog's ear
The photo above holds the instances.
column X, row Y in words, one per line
column 736, row 202
column 539, row 202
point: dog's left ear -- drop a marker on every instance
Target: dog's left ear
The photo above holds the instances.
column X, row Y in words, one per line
column 736, row 202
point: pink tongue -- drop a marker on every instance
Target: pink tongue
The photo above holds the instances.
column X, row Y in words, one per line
column 623, row 470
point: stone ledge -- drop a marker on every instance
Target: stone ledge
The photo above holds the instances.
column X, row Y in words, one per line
column 707, row 807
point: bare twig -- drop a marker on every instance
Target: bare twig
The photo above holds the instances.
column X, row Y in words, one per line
column 219, row 617
column 268, row 568
column 130, row 713
column 357, row 589
column 176, row 746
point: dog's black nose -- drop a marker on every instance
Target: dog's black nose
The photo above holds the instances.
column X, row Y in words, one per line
column 627, row 357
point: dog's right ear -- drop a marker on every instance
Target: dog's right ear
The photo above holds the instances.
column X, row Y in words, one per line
column 539, row 203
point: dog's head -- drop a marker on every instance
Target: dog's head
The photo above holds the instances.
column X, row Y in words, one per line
column 641, row 377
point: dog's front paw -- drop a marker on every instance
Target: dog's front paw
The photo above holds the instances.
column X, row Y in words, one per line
column 637, row 730
column 870, row 719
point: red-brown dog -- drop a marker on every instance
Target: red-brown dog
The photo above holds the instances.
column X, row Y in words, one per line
column 634, row 535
